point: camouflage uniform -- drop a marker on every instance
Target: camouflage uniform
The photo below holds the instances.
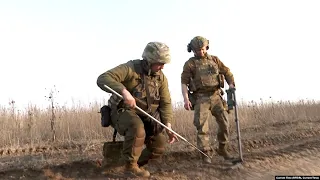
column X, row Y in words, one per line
column 138, row 129
column 206, row 91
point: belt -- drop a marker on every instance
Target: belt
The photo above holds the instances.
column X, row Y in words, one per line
column 201, row 94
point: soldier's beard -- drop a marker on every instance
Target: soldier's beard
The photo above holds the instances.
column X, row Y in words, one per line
column 154, row 70
column 147, row 68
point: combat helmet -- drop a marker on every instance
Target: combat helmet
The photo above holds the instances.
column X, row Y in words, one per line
column 156, row 52
column 197, row 43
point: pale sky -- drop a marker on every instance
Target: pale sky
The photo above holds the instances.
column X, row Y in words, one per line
column 272, row 47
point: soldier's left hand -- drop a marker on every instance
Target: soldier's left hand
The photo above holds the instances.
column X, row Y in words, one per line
column 187, row 105
column 172, row 136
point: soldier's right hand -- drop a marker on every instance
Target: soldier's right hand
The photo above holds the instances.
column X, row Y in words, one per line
column 128, row 98
column 187, row 105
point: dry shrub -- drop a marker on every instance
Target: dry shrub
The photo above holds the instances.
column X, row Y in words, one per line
column 81, row 123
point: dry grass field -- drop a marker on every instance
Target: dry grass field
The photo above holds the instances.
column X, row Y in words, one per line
column 278, row 138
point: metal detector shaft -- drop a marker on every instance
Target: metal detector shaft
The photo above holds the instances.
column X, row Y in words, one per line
column 113, row 91
column 238, row 125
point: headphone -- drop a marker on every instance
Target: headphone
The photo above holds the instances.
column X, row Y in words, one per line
column 189, row 47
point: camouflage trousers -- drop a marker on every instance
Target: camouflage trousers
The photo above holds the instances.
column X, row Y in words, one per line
column 206, row 107
column 131, row 126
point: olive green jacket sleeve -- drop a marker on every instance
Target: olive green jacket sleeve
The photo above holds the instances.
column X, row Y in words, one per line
column 123, row 74
column 187, row 72
column 225, row 71
column 114, row 78
column 165, row 106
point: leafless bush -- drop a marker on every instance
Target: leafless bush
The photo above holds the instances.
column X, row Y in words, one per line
column 81, row 123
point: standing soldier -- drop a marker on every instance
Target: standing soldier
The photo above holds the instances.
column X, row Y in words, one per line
column 142, row 84
column 204, row 75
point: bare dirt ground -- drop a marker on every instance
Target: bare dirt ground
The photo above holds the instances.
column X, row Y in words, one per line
column 280, row 148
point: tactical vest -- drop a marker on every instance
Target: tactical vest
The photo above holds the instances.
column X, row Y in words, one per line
column 146, row 92
column 206, row 74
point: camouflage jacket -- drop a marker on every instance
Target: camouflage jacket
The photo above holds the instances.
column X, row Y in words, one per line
column 205, row 73
column 126, row 76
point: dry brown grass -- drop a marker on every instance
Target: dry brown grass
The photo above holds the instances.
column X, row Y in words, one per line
column 81, row 123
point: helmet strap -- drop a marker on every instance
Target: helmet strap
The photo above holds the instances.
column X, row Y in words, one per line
column 148, row 66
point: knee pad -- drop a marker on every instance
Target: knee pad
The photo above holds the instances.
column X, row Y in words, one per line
column 138, row 140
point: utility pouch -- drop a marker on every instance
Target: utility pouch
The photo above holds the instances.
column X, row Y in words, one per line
column 224, row 102
column 105, row 116
column 191, row 89
column 221, row 80
column 192, row 99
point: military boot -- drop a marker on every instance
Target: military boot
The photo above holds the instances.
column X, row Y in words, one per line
column 132, row 169
column 222, row 151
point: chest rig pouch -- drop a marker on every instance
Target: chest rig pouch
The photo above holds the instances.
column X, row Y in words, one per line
column 206, row 75
column 147, row 98
column 146, row 92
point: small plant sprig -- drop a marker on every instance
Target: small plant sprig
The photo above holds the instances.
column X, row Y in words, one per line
column 51, row 98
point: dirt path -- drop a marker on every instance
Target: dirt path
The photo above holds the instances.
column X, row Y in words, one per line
column 291, row 148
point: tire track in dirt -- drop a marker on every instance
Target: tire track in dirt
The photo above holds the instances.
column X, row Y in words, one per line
column 292, row 137
column 277, row 124
column 45, row 149
column 297, row 159
column 267, row 155
column 301, row 158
